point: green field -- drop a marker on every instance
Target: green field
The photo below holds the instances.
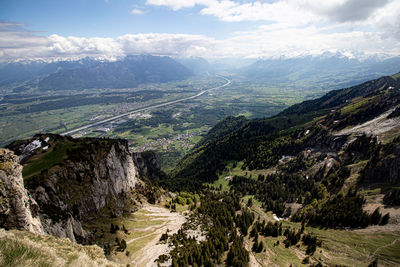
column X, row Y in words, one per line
column 171, row 131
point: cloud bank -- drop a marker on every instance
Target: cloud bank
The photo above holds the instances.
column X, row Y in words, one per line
column 18, row 43
column 294, row 12
column 284, row 27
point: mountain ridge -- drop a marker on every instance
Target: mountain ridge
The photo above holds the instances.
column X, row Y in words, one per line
column 319, row 71
column 244, row 142
column 88, row 73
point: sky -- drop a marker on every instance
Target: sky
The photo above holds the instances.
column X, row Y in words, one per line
column 109, row 29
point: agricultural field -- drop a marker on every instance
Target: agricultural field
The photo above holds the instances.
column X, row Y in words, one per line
column 170, row 130
column 22, row 115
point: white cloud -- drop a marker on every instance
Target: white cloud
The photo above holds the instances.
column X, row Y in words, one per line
column 179, row 4
column 231, row 11
column 292, row 27
column 304, row 26
column 137, row 11
column 73, row 46
column 387, row 21
column 344, row 10
column 310, row 40
column 166, row 44
column 269, row 40
column 275, row 12
column 18, row 43
column 293, row 12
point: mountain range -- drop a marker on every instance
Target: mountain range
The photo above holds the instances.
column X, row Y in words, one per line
column 89, row 73
column 332, row 70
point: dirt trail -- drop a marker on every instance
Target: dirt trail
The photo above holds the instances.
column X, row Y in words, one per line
column 388, row 245
column 152, row 250
column 253, row 262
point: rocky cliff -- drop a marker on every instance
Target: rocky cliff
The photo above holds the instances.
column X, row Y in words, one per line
column 76, row 180
column 17, row 208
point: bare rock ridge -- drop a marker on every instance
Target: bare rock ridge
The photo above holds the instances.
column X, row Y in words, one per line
column 17, row 208
column 73, row 181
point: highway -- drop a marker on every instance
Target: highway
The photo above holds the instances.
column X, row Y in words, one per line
column 228, row 82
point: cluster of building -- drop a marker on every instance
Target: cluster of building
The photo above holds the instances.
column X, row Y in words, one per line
column 182, row 139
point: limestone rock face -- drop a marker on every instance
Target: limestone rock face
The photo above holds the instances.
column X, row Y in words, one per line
column 93, row 178
column 82, row 179
column 17, row 208
column 148, row 165
column 69, row 228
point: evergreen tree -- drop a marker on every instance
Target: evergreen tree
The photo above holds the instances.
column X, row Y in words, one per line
column 385, row 219
column 250, row 202
column 375, row 217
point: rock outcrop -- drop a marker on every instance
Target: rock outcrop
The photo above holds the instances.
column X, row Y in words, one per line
column 17, row 208
column 148, row 165
column 69, row 182
column 75, row 180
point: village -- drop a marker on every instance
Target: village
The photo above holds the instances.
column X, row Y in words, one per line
column 181, row 141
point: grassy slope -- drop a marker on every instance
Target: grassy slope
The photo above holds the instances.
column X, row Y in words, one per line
column 137, row 225
column 45, row 161
column 348, row 248
column 141, row 226
column 21, row 248
column 397, row 75
column 339, row 247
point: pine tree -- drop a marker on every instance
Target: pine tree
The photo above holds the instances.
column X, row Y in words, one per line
column 260, row 247
column 385, row 219
column 250, row 202
column 375, row 217
column 123, row 244
column 374, row 263
column 124, row 229
column 254, row 248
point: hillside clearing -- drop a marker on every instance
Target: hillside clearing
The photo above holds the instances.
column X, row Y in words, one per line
column 150, row 248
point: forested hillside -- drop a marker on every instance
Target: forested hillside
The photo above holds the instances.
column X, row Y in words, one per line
column 312, row 149
column 327, row 163
column 260, row 143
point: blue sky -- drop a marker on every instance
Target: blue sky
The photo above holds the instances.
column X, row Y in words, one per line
column 208, row 28
column 112, row 18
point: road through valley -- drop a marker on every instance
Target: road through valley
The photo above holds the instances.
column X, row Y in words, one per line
column 228, row 82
